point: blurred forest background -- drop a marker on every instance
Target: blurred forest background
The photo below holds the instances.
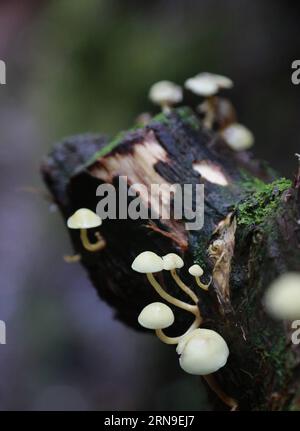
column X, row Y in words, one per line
column 77, row 66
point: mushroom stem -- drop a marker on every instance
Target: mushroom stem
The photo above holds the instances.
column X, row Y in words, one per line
column 200, row 284
column 191, row 308
column 72, row 258
column 183, row 286
column 96, row 246
column 166, row 109
column 211, row 113
column 214, row 386
column 174, row 340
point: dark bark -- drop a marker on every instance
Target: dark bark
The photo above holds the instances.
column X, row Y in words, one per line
column 258, row 230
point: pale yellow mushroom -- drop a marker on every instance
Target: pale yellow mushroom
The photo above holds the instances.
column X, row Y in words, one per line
column 196, row 271
column 158, row 316
column 282, row 299
column 203, row 352
column 238, row 137
column 207, row 84
column 84, row 219
column 165, row 94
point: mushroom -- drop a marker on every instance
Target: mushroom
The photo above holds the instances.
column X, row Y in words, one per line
column 159, row 316
column 148, row 263
column 207, row 84
column 196, row 271
column 172, row 262
column 282, row 299
column 165, row 94
column 203, row 352
column 84, row 219
column 156, row 316
column 238, row 137
column 218, row 112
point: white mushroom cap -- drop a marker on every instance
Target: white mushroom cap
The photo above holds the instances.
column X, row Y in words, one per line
column 172, row 261
column 196, row 270
column 221, row 80
column 147, row 262
column 282, row 299
column 207, row 84
column 201, row 85
column 203, row 352
column 165, row 93
column 84, row 219
column 156, row 316
column 238, row 137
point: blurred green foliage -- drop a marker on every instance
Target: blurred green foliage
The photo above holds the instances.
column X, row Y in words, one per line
column 97, row 60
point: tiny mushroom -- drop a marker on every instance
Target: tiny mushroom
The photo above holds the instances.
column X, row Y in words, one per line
column 84, row 219
column 238, row 137
column 148, row 263
column 202, row 352
column 218, row 112
column 172, row 262
column 207, row 84
column 196, row 271
column 156, row 316
column 159, row 316
column 282, row 299
column 165, row 94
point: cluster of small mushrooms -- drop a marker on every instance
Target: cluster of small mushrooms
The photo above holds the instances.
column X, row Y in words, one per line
column 202, row 351
column 214, row 109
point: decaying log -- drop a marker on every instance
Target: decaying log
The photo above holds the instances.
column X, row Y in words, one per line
column 250, row 235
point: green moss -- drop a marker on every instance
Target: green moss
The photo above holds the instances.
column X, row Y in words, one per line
column 188, row 117
column 112, row 144
column 185, row 113
column 160, row 118
column 106, row 149
column 262, row 203
column 250, row 183
column 200, row 253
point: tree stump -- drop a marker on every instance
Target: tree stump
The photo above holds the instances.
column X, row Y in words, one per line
column 253, row 214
